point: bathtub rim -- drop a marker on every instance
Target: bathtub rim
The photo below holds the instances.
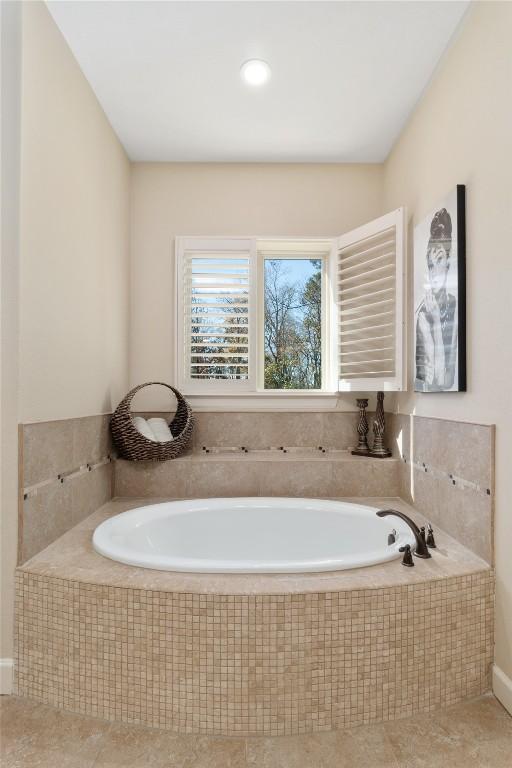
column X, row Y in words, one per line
column 105, row 547
column 72, row 558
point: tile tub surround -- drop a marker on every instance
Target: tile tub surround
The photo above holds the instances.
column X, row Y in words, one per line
column 245, row 655
column 56, row 449
column 267, row 473
column 464, row 509
column 447, row 472
column 64, row 476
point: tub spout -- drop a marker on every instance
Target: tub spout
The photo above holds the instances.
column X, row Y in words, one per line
column 421, row 547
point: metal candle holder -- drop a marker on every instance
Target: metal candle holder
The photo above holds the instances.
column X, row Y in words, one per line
column 362, row 430
column 379, row 450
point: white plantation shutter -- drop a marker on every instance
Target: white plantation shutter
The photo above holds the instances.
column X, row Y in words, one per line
column 368, row 281
column 216, row 298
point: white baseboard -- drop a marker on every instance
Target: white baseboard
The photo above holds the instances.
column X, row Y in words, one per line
column 6, row 670
column 502, row 687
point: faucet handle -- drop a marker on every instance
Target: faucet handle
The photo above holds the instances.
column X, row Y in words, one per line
column 431, row 542
column 407, row 560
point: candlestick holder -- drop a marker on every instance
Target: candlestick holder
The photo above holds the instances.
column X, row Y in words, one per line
column 362, row 430
column 379, row 450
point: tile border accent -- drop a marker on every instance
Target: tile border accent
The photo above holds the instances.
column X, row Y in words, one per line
column 83, row 469
column 453, row 480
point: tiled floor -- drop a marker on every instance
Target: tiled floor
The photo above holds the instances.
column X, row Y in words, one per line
column 476, row 734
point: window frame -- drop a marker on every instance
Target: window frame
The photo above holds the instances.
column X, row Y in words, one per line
column 285, row 247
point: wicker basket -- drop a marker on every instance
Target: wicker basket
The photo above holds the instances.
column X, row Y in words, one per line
column 133, row 446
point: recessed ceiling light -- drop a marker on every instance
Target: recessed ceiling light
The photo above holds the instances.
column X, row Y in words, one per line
column 255, row 72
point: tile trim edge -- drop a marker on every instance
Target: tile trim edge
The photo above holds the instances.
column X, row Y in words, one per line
column 502, row 687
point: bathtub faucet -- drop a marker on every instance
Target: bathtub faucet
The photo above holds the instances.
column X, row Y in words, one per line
column 421, row 547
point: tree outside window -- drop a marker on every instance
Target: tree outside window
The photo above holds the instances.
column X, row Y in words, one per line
column 293, row 324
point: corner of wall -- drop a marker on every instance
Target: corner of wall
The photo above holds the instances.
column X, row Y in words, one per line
column 11, row 33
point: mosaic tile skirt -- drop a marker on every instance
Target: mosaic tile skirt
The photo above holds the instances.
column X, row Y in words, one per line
column 245, row 665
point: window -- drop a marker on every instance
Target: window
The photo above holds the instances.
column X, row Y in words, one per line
column 370, row 305
column 278, row 315
column 216, row 300
column 292, row 323
column 292, row 319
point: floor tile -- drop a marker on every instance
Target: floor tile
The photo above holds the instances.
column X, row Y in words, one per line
column 34, row 735
column 459, row 737
column 337, row 749
column 474, row 734
column 127, row 746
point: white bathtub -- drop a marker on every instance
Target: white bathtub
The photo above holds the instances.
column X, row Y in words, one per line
column 250, row 535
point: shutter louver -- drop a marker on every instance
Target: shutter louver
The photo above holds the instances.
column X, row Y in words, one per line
column 216, row 312
column 369, row 296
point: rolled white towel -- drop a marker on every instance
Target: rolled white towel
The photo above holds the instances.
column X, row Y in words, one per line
column 160, row 429
column 142, row 426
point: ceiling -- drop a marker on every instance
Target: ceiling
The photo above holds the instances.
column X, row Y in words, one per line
column 345, row 75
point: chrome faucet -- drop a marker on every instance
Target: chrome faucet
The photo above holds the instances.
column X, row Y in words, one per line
column 421, row 546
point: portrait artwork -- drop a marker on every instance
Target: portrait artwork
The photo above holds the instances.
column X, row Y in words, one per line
column 440, row 297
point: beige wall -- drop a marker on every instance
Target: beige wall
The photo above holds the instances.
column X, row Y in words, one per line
column 199, row 199
column 73, row 260
column 461, row 132
column 74, row 236
column 10, row 49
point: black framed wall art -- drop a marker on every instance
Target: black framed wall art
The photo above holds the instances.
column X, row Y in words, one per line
column 440, row 297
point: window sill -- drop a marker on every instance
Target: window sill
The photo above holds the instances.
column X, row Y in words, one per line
column 277, row 400
column 264, row 393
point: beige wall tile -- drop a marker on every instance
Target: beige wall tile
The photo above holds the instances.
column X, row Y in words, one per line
column 47, row 515
column 47, row 450
column 216, row 478
column 264, row 430
column 465, row 514
column 399, row 434
column 244, row 476
column 438, row 455
column 366, row 477
column 465, row 450
column 91, row 439
column 90, row 491
column 295, row 478
column 340, row 429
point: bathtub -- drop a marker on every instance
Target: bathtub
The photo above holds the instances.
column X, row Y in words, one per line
column 251, row 535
